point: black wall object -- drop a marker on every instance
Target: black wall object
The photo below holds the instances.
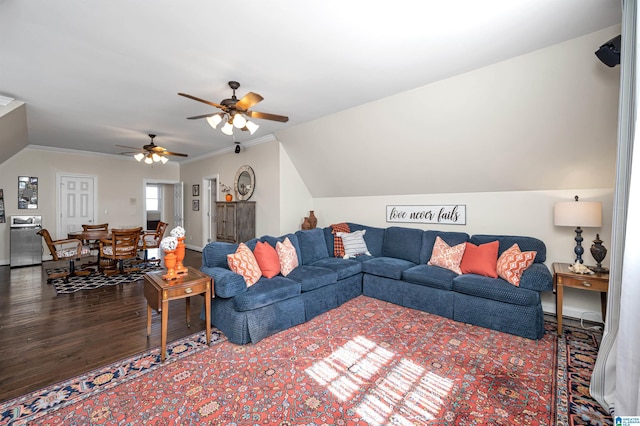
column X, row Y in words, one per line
column 609, row 53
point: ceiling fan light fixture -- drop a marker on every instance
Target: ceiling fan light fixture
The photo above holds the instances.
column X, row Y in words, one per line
column 227, row 129
column 214, row 120
column 164, row 159
column 139, row 156
column 251, row 126
column 239, row 121
column 155, row 157
column 148, row 160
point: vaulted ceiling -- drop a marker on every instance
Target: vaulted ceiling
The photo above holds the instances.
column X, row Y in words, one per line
column 95, row 74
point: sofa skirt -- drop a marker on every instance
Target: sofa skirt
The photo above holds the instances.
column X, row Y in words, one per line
column 428, row 299
column 331, row 296
column 253, row 326
column 525, row 321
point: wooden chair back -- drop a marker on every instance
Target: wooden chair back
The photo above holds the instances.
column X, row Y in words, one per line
column 98, row 227
column 152, row 239
column 61, row 249
column 122, row 245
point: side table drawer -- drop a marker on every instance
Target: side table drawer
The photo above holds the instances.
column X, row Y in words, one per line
column 586, row 283
column 186, row 291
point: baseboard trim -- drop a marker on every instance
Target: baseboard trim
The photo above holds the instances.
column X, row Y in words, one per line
column 568, row 311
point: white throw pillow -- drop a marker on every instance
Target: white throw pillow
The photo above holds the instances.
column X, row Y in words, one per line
column 354, row 244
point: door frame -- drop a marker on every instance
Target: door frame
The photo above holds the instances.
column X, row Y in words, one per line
column 147, row 181
column 208, row 206
column 59, row 176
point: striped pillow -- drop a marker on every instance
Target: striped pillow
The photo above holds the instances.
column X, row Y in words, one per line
column 243, row 262
column 354, row 244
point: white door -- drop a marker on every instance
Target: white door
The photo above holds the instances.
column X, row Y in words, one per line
column 178, row 204
column 76, row 203
column 212, row 189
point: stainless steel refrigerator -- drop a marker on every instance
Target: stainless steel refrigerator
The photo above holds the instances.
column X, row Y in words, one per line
column 25, row 243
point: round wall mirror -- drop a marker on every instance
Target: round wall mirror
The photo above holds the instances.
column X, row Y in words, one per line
column 245, row 183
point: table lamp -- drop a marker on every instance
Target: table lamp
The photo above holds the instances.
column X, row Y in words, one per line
column 578, row 213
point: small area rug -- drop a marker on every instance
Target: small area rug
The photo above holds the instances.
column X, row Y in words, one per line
column 366, row 362
column 96, row 280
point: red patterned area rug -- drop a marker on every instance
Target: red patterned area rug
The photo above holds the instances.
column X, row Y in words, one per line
column 366, row 362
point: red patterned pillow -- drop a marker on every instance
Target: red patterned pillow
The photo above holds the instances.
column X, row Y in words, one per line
column 243, row 262
column 513, row 262
column 287, row 256
column 481, row 260
column 267, row 259
column 447, row 257
column 338, row 245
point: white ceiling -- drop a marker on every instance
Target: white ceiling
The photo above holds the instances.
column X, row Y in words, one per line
column 95, row 74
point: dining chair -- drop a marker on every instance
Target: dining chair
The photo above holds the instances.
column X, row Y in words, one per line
column 150, row 240
column 122, row 246
column 95, row 244
column 71, row 249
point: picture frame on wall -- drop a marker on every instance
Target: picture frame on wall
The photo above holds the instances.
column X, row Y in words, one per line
column 195, row 190
column 195, row 205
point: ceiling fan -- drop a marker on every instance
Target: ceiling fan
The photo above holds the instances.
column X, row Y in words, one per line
column 234, row 111
column 151, row 153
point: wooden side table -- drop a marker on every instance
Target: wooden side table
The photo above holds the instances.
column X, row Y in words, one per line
column 159, row 292
column 563, row 277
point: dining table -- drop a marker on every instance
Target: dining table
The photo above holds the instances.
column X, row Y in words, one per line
column 94, row 236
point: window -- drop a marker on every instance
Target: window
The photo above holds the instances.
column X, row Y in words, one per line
column 154, row 198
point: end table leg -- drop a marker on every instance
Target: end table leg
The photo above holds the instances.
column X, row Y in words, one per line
column 207, row 314
column 603, row 305
column 559, row 308
column 149, row 320
column 188, row 302
column 163, row 337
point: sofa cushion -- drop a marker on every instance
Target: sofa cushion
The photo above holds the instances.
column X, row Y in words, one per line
column 313, row 246
column 430, row 276
column 267, row 258
column 494, row 289
column 429, row 239
column 312, row 277
column 243, row 262
column 445, row 256
column 389, row 267
column 513, row 262
column 537, row 277
column 481, row 260
column 287, row 256
column 343, row 267
column 506, row 241
column 215, row 254
column 274, row 240
column 266, row 292
column 402, row 243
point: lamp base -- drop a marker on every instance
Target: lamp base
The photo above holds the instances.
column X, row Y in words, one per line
column 598, row 251
column 579, row 250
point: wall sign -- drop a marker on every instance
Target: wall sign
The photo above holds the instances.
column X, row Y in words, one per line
column 448, row 215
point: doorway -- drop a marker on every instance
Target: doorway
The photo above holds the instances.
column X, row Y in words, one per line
column 163, row 201
column 210, row 183
column 76, row 204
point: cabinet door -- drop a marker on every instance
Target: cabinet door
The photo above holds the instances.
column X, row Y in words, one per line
column 226, row 223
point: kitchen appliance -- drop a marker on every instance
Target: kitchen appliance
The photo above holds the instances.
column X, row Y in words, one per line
column 25, row 243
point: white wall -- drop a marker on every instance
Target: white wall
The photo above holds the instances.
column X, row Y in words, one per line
column 120, row 186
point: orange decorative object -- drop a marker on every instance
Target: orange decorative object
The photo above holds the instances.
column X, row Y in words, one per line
column 170, row 263
column 180, row 268
column 229, row 197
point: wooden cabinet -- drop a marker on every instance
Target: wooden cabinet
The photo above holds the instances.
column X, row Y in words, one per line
column 235, row 221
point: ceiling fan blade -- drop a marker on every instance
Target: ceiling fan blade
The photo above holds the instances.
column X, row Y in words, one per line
column 202, row 116
column 129, row 147
column 266, row 116
column 249, row 100
column 201, row 100
column 177, row 154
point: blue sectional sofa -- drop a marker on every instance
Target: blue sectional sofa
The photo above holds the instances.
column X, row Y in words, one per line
column 395, row 271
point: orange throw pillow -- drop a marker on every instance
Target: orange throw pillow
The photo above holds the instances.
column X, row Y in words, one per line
column 267, row 259
column 445, row 256
column 243, row 262
column 513, row 262
column 481, row 260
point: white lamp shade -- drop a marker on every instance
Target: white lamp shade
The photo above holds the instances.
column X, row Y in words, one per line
column 139, row 156
column 227, row 129
column 214, row 120
column 239, row 121
column 155, row 157
column 586, row 214
column 251, row 127
column 164, row 159
column 148, row 160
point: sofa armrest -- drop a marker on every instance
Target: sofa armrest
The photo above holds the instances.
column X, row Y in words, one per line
column 537, row 277
column 226, row 283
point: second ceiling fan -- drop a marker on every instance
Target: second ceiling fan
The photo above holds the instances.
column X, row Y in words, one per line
column 234, row 111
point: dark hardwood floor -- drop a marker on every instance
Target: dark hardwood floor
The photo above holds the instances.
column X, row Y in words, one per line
column 46, row 338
